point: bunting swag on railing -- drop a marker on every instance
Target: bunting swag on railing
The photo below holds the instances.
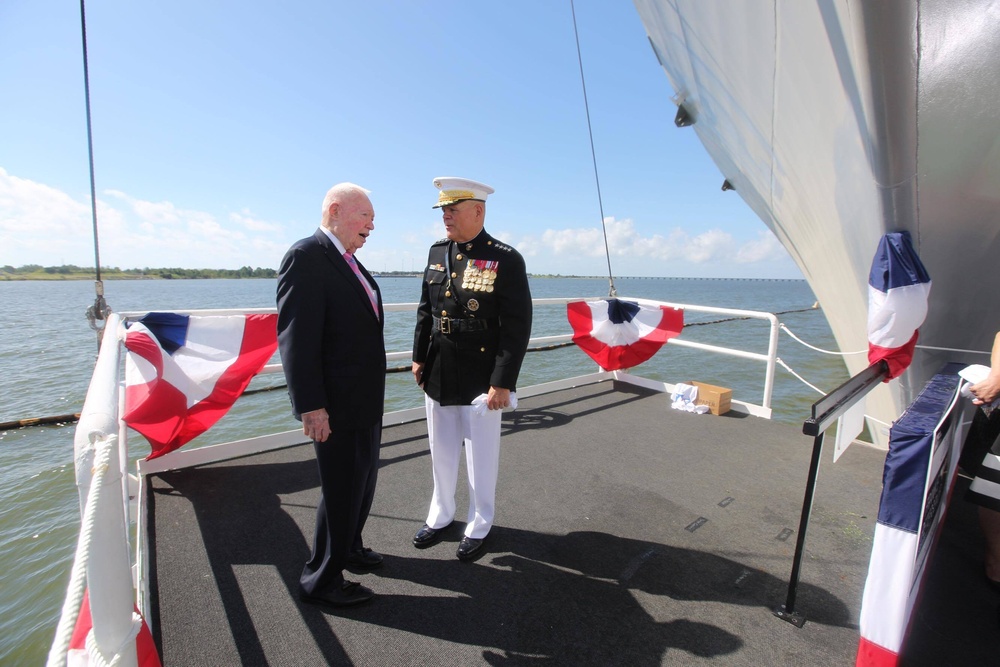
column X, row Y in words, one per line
column 184, row 372
column 898, row 287
column 622, row 334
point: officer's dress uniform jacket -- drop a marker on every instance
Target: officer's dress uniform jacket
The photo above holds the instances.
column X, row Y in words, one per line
column 478, row 293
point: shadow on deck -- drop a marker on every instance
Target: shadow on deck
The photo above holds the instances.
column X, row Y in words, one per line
column 627, row 533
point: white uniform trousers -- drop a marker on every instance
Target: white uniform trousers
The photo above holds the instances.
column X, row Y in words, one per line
column 447, row 428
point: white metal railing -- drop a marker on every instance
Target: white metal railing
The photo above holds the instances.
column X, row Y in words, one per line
column 114, row 590
column 183, row 458
column 769, row 358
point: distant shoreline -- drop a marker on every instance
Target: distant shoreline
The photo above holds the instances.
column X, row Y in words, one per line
column 74, row 272
column 49, row 277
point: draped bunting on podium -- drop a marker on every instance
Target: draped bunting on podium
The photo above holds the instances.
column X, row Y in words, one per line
column 898, row 287
column 622, row 334
column 924, row 447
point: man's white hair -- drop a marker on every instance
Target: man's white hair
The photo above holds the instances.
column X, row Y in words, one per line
column 340, row 192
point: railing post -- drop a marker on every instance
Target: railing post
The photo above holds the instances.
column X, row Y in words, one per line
column 772, row 356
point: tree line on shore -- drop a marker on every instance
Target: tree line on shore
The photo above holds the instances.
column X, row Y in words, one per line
column 73, row 272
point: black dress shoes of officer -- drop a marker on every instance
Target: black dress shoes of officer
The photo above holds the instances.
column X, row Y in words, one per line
column 469, row 548
column 364, row 559
column 350, row 594
column 428, row 536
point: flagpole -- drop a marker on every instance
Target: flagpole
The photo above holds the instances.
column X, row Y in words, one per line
column 612, row 292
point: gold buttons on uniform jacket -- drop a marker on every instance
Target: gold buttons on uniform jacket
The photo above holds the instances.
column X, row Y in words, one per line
column 447, row 293
column 444, row 313
column 482, row 349
column 459, row 257
column 454, row 275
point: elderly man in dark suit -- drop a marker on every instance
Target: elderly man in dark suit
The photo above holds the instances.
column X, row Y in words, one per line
column 333, row 352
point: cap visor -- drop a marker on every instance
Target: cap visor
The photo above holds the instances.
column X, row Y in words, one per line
column 449, row 202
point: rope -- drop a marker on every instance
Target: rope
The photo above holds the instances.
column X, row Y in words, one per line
column 78, row 576
column 612, row 292
column 952, row 349
column 799, row 377
column 816, row 349
column 100, row 309
column 740, row 319
column 94, row 654
column 40, row 421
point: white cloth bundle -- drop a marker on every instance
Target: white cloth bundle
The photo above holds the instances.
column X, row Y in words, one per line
column 684, row 398
column 479, row 403
column 975, row 374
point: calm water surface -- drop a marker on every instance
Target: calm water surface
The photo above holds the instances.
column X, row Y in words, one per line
column 47, row 351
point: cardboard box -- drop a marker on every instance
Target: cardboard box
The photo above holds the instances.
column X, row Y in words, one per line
column 716, row 398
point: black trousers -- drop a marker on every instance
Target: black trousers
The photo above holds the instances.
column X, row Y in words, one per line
column 348, row 469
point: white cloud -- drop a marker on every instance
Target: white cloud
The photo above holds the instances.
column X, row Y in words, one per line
column 624, row 240
column 43, row 225
column 765, row 248
column 244, row 219
column 40, row 224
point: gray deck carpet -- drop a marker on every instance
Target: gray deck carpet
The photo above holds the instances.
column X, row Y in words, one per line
column 627, row 533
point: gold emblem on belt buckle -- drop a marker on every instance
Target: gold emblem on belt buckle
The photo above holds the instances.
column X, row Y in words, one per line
column 445, row 325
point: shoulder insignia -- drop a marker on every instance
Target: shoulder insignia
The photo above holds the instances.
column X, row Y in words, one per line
column 440, row 241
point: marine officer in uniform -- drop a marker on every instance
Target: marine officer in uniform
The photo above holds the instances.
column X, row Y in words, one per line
column 473, row 326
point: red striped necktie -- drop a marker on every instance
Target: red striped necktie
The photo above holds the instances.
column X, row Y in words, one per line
column 364, row 281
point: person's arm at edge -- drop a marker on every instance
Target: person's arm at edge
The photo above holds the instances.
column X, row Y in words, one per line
column 988, row 390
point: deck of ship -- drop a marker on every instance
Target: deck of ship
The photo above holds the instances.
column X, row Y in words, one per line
column 627, row 533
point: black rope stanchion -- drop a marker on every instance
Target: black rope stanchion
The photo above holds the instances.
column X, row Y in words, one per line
column 824, row 414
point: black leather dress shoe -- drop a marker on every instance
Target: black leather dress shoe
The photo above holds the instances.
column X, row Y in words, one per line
column 469, row 548
column 349, row 595
column 428, row 536
column 364, row 559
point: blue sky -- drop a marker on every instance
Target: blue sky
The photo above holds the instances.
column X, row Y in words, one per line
column 219, row 126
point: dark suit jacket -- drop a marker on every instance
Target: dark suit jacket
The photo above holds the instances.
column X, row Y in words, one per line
column 331, row 342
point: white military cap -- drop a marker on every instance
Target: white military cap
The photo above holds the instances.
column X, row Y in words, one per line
column 454, row 190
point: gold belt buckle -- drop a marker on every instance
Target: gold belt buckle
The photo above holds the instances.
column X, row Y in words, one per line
column 445, row 325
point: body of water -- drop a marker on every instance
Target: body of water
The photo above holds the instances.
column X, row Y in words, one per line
column 47, row 352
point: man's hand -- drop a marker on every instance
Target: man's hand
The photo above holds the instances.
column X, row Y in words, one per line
column 498, row 398
column 988, row 390
column 316, row 425
column 418, row 373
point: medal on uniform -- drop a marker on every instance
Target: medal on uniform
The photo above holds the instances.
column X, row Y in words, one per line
column 472, row 277
column 473, row 305
column 479, row 275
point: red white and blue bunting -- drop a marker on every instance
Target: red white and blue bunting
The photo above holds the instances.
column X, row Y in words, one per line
column 621, row 334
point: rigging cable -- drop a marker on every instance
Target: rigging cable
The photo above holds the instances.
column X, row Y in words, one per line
column 612, row 292
column 100, row 310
